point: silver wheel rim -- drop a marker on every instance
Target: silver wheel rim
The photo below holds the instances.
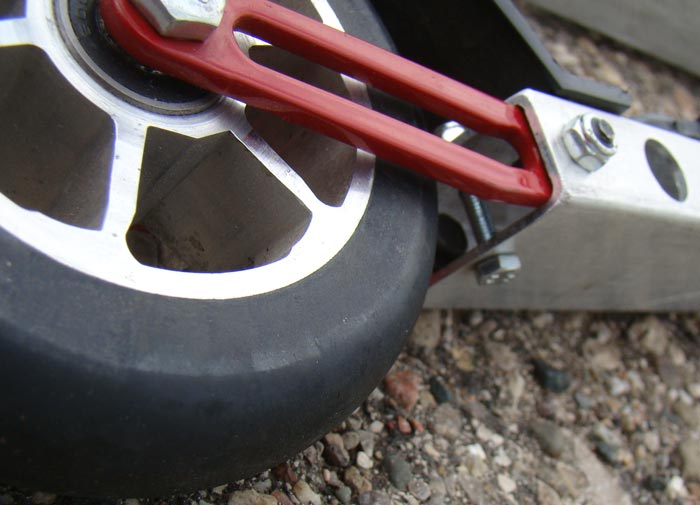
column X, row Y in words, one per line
column 236, row 213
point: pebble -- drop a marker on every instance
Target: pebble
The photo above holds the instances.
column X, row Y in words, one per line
column 652, row 441
column 446, row 421
column 506, row 484
column 606, row 359
column 376, row 427
column 651, row 334
column 402, row 387
column 546, row 495
column 689, row 414
column 439, row 391
column 550, row 438
column 694, row 390
column 502, row 459
column 285, row 472
column 354, row 478
column 351, row 439
column 690, row 456
column 219, row 489
column 426, row 333
column 475, row 460
column 607, row 452
column 551, row 378
column 374, row 498
column 676, row 489
column 305, row 494
column 403, row 425
column 419, row 489
column 670, row 374
column 364, row 461
column 335, row 452
column 41, row 498
column 584, row 402
column 618, row 387
column 251, row 497
column 399, row 471
column 344, row 494
column 565, row 479
column 367, row 441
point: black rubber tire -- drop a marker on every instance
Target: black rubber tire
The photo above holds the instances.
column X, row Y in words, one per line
column 107, row 391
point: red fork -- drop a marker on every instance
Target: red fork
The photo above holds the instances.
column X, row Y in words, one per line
column 219, row 65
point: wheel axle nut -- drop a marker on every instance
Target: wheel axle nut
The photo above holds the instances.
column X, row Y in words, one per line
column 590, row 141
column 183, row 19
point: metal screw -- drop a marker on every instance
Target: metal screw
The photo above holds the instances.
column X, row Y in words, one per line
column 590, row 141
column 183, row 19
column 496, row 269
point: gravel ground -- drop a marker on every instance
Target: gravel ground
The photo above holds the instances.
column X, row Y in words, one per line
column 503, row 407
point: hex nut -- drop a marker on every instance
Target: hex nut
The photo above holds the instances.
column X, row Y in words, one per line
column 497, row 269
column 183, row 19
column 590, row 141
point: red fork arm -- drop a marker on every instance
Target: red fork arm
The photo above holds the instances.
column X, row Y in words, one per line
column 219, row 65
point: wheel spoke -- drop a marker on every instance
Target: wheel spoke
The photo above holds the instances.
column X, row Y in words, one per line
column 124, row 181
column 279, row 169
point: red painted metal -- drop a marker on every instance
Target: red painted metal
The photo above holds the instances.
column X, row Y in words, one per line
column 219, row 65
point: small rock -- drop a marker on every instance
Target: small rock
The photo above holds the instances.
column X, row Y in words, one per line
column 462, row 357
column 262, row 486
column 583, row 401
column 655, row 483
column 419, row 489
column 335, row 452
column 651, row 334
column 607, row 452
column 399, row 471
column 486, row 435
column 367, row 441
column 652, row 441
column 285, row 472
column 506, row 484
column 475, row 460
column 446, row 421
column 344, row 494
column 565, row 479
column 618, row 387
column 689, row 414
column 251, row 497
column 374, row 498
column 606, row 359
column 551, row 378
column 219, row 489
column 354, row 478
column 541, row 321
column 439, row 391
column 364, row 461
column 403, row 425
column 550, row 438
column 690, row 455
column 136, row 501
column 670, row 374
column 351, row 440
column 694, row 389
column 41, row 498
column 426, row 333
column 402, row 387
column 305, row 494
column 331, row 478
column 417, row 426
column 676, row 488
column 282, row 498
column 546, row 495
column 376, row 427
column 502, row 459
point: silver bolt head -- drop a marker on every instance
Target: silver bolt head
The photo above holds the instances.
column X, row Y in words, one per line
column 183, row 19
column 587, row 145
column 497, row 269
